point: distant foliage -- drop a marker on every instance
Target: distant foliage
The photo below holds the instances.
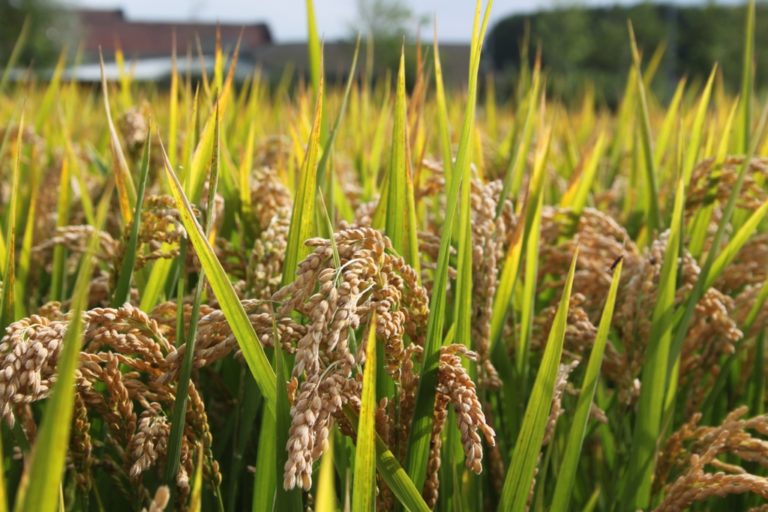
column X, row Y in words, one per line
column 48, row 30
column 590, row 46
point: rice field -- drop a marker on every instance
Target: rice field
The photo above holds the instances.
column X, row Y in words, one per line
column 251, row 297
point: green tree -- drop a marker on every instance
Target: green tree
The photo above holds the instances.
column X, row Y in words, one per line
column 591, row 46
column 47, row 31
column 389, row 23
column 384, row 19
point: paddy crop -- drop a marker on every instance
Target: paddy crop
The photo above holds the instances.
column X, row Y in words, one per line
column 230, row 296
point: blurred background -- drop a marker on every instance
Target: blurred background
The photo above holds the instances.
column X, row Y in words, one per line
column 583, row 45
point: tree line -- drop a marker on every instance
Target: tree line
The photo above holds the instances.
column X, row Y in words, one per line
column 589, row 47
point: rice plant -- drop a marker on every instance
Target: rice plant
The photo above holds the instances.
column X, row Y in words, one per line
column 245, row 297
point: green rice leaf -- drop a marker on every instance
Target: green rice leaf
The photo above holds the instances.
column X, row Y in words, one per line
column 195, row 177
column 196, row 495
column 397, row 479
column 684, row 315
column 7, row 299
column 325, row 500
column 668, row 127
column 62, row 217
column 527, row 312
column 694, row 143
column 519, row 479
column 126, row 191
column 393, row 473
column 51, row 92
column 651, row 192
column 513, row 178
column 420, row 432
column 303, row 212
column 637, row 484
column 324, row 174
column 125, row 79
column 39, row 487
column 397, row 206
column 581, row 183
column 315, row 50
column 173, row 109
column 512, row 260
column 265, row 482
column 178, row 420
column 569, row 466
column 443, row 127
column 364, row 484
column 13, row 58
column 3, row 493
column 727, row 254
column 222, row 288
column 747, row 78
column 123, row 288
column 284, row 500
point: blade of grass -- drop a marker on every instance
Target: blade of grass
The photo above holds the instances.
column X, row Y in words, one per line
column 731, row 250
column 173, row 108
column 393, row 473
column 653, row 220
column 671, row 120
column 13, row 58
column 284, row 500
column 684, row 315
column 443, row 127
column 519, row 478
column 201, row 158
column 364, row 483
column 527, row 312
column 3, row 145
column 3, row 493
column 693, row 148
column 324, row 174
column 396, row 200
column 123, row 289
column 25, row 256
column 124, row 76
column 747, row 77
column 513, row 177
column 512, row 260
column 699, row 226
column 249, row 407
column 52, row 91
column 315, row 50
column 581, row 183
column 218, row 63
column 39, row 487
column 196, row 496
column 637, row 484
column 126, row 191
column 178, row 419
column 567, row 474
column 326, row 486
column 302, row 215
column 246, row 163
column 7, row 308
column 420, row 432
column 265, row 482
column 222, row 288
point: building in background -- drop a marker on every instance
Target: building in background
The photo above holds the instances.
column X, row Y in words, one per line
column 147, row 47
column 106, row 29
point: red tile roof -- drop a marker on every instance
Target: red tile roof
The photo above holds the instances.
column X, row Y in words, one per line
column 141, row 39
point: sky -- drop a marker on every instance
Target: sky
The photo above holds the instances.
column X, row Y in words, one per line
column 287, row 21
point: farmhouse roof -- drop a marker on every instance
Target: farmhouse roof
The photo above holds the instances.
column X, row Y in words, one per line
column 110, row 29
